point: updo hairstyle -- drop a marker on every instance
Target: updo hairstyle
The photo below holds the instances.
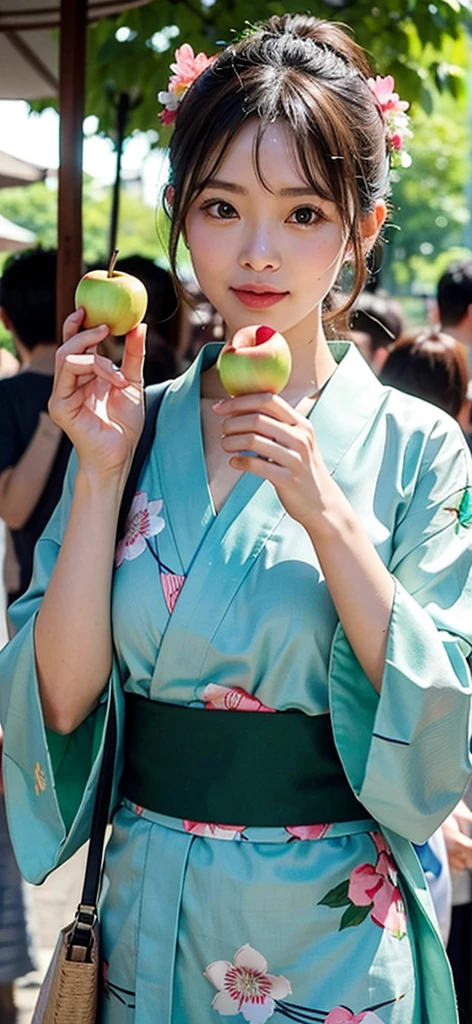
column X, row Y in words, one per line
column 313, row 75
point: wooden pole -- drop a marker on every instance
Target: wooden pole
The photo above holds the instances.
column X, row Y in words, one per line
column 72, row 100
column 122, row 110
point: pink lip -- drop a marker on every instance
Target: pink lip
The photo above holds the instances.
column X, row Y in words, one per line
column 260, row 298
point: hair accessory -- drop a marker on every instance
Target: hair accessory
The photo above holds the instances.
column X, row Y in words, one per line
column 187, row 68
column 394, row 114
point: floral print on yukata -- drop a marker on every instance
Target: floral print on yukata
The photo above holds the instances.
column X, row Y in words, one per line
column 142, row 527
column 245, row 987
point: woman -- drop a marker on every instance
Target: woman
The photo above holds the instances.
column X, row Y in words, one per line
column 299, row 555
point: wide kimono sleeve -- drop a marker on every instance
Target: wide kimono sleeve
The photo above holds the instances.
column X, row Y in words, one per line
column 406, row 751
column 50, row 780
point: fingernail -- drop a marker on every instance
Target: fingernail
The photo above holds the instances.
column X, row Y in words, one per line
column 221, row 401
column 263, row 334
column 103, row 327
column 77, row 312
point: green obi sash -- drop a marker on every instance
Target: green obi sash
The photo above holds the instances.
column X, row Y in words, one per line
column 234, row 768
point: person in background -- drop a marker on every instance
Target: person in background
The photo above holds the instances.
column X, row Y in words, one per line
column 8, row 363
column 454, row 298
column 431, row 365
column 376, row 322
column 33, row 451
column 33, row 457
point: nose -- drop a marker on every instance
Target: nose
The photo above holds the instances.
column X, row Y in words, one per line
column 259, row 251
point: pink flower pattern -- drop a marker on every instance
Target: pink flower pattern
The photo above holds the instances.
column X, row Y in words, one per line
column 245, row 986
column 308, row 832
column 202, row 828
column 172, row 584
column 187, row 68
column 341, row 1015
column 376, row 886
column 231, row 698
column 393, row 109
column 143, row 521
column 371, row 890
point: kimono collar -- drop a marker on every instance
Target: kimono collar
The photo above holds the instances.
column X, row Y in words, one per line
column 345, row 405
column 346, row 402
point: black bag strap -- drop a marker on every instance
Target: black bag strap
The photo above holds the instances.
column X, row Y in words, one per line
column 86, row 914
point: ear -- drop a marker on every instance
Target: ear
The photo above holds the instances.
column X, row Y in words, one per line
column 370, row 227
column 372, row 224
column 5, row 319
column 169, row 193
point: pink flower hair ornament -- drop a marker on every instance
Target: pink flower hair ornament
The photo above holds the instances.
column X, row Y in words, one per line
column 396, row 119
column 187, row 68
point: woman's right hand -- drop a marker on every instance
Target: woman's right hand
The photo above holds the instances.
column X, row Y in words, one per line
column 100, row 408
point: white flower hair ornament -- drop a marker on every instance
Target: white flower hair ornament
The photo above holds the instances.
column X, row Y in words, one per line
column 396, row 119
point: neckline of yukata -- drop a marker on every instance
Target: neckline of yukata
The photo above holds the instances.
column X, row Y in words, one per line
column 348, row 401
column 233, row 539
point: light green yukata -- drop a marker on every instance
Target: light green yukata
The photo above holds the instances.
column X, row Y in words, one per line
column 329, row 923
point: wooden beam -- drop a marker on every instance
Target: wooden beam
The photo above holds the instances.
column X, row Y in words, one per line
column 71, row 106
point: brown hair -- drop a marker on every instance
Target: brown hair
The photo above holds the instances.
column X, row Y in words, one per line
column 430, row 365
column 312, row 74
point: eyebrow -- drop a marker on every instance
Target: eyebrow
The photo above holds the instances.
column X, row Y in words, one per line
column 230, row 186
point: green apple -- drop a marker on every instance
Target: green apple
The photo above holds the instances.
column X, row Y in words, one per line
column 258, row 359
column 113, row 298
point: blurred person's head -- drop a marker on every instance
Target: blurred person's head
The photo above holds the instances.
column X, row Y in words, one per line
column 455, row 300
column 28, row 299
column 430, row 365
column 376, row 322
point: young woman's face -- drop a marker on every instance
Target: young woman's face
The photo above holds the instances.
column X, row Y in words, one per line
column 264, row 256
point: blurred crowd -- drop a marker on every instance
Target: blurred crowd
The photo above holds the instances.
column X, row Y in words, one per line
column 432, row 361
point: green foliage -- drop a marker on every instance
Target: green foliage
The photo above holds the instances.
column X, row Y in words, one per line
column 35, row 207
column 407, row 38
column 430, row 206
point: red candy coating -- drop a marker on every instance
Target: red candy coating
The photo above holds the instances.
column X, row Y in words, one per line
column 263, row 334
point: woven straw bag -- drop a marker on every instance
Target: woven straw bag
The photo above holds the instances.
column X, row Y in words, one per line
column 69, row 991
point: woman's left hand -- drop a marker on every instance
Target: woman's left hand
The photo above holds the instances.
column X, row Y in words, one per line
column 285, row 441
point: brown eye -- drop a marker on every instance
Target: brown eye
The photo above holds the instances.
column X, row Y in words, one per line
column 220, row 209
column 306, row 215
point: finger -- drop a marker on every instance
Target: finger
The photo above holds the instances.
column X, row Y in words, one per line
column 85, row 379
column 83, row 342
column 277, row 475
column 263, row 446
column 133, row 357
column 462, row 811
column 461, row 846
column 271, row 405
column 76, row 366
column 290, row 435
column 72, row 324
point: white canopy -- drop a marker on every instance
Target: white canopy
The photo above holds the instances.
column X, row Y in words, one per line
column 29, row 59
column 12, row 237
column 14, row 171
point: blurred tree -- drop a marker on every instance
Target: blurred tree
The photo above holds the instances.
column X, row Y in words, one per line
column 429, row 200
column 36, row 207
column 131, row 54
